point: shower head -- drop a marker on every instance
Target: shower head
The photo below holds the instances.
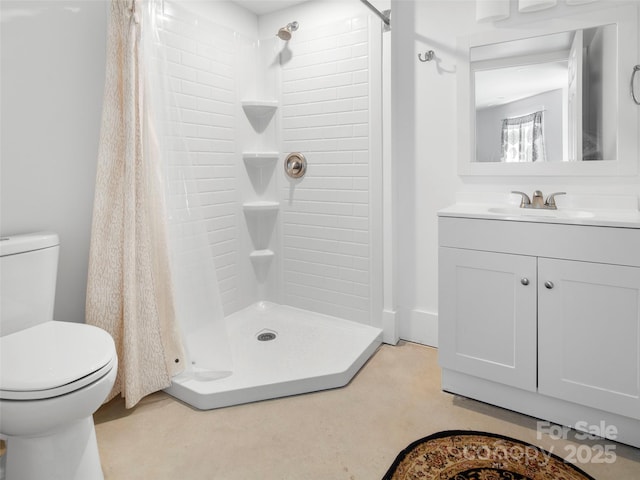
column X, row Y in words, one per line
column 285, row 32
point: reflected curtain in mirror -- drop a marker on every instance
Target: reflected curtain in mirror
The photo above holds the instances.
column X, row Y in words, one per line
column 522, row 138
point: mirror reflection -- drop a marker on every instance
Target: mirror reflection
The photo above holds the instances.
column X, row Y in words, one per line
column 550, row 98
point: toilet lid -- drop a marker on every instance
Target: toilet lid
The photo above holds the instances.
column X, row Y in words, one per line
column 53, row 358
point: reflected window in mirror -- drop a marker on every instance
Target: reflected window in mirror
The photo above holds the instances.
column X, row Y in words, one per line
column 523, row 139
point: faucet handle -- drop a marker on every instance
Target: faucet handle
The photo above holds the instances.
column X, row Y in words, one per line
column 525, row 200
column 551, row 200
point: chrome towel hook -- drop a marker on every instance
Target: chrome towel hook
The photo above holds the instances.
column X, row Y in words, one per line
column 636, row 69
column 428, row 56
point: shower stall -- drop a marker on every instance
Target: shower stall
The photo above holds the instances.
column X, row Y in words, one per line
column 270, row 130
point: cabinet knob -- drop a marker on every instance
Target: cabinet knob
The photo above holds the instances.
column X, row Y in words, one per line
column 548, row 284
column 524, row 281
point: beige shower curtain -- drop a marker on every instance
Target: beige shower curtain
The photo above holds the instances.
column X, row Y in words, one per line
column 129, row 290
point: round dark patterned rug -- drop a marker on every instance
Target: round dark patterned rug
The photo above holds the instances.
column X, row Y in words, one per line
column 468, row 455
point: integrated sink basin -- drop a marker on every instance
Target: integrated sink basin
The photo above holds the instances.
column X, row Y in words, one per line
column 540, row 212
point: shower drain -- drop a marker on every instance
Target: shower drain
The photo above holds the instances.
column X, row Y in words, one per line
column 266, row 336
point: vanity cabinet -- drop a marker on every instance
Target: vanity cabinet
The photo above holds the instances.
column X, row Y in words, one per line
column 543, row 319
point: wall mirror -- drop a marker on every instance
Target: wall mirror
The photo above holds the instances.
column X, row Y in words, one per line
column 552, row 98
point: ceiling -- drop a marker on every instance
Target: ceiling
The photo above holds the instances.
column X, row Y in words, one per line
column 260, row 7
column 504, row 85
column 497, row 85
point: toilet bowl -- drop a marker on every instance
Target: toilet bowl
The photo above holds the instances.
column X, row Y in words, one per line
column 55, row 375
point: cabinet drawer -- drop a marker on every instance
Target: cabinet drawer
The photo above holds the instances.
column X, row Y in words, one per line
column 619, row 246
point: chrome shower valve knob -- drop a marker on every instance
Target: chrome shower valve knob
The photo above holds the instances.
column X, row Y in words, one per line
column 295, row 165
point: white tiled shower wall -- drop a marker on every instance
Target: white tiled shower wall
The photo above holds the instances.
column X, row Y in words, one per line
column 322, row 239
column 325, row 217
column 200, row 62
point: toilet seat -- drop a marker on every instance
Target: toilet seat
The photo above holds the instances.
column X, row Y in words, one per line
column 52, row 359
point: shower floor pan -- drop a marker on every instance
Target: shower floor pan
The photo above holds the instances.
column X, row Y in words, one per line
column 280, row 351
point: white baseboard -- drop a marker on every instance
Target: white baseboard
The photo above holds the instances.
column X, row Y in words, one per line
column 420, row 327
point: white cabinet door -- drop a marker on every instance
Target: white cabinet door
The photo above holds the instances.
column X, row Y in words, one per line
column 487, row 315
column 589, row 334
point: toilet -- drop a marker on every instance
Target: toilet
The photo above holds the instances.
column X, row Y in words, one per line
column 53, row 374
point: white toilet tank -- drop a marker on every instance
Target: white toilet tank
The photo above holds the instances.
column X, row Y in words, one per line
column 28, row 268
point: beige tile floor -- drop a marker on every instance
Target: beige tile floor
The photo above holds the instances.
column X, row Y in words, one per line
column 349, row 433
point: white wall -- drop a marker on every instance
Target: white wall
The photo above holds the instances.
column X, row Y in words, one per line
column 425, row 155
column 53, row 65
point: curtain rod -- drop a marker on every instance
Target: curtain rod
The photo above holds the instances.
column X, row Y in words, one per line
column 383, row 17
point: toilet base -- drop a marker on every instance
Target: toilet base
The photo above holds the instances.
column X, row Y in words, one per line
column 70, row 453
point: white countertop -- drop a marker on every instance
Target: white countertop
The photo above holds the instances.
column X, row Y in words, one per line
column 621, row 218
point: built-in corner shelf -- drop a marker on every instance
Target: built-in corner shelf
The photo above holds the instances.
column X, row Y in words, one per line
column 260, row 108
column 261, row 206
column 260, row 214
column 260, row 159
column 261, row 255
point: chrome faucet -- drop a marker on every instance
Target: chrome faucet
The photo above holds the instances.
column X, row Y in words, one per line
column 537, row 201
